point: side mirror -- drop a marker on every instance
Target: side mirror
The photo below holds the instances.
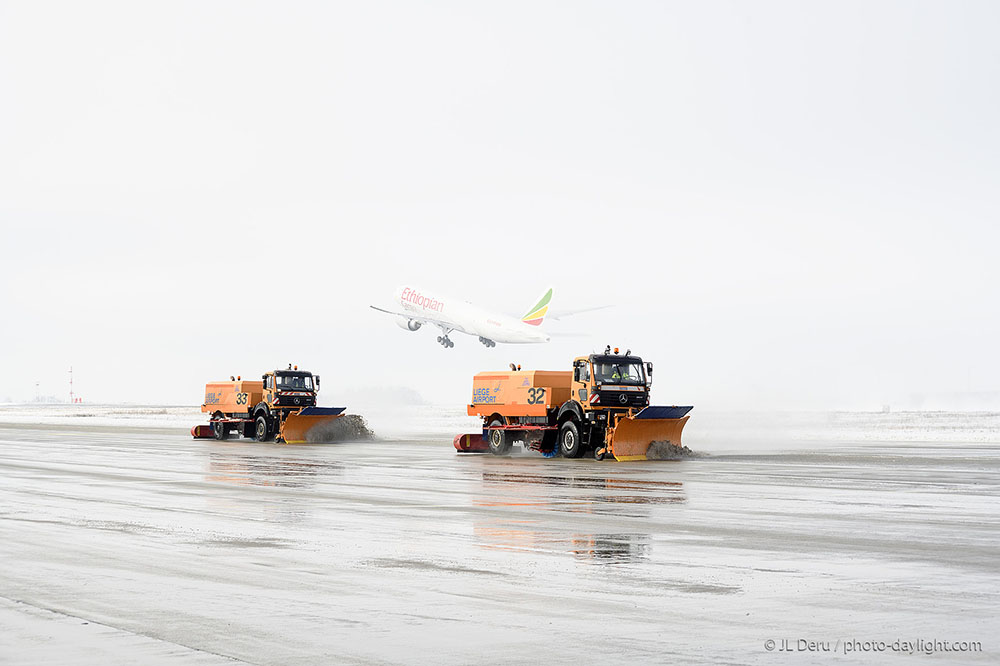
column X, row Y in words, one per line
column 649, row 369
column 576, row 374
column 316, row 379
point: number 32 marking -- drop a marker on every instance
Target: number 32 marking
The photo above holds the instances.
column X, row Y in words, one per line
column 536, row 396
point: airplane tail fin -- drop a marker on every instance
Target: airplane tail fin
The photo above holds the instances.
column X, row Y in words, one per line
column 536, row 314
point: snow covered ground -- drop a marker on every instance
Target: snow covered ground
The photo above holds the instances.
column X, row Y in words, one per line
column 728, row 431
column 125, row 541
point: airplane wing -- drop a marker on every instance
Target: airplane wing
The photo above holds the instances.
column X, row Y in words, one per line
column 407, row 315
column 443, row 325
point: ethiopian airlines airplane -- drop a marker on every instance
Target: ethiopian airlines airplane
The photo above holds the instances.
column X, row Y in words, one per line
column 416, row 307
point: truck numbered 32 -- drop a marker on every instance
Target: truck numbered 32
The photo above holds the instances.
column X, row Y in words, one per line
column 281, row 407
column 602, row 405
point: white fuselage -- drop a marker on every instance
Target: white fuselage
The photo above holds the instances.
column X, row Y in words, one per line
column 444, row 311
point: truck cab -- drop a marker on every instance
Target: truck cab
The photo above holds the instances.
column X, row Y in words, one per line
column 611, row 382
column 290, row 389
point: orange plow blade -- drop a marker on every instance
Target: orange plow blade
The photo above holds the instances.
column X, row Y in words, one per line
column 634, row 435
column 296, row 427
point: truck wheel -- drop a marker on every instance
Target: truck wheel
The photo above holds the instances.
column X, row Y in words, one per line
column 261, row 431
column 220, row 430
column 569, row 440
column 499, row 442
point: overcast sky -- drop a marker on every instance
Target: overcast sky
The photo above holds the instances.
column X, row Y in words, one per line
column 792, row 204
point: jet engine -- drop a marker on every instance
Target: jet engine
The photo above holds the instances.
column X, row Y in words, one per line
column 408, row 324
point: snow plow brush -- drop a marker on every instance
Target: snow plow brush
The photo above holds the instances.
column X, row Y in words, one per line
column 641, row 437
column 295, row 427
column 471, row 444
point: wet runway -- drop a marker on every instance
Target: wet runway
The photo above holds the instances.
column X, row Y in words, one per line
column 141, row 545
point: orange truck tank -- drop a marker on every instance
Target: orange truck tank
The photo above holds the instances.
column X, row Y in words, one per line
column 519, row 392
column 231, row 397
column 602, row 404
column 280, row 407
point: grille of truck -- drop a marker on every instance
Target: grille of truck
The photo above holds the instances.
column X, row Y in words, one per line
column 613, row 399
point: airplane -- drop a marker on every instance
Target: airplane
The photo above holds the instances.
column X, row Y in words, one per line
column 418, row 307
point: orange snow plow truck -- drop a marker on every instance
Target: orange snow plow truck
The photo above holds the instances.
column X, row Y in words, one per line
column 601, row 405
column 281, row 407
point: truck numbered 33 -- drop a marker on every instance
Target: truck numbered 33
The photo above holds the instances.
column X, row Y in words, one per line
column 281, row 407
column 601, row 405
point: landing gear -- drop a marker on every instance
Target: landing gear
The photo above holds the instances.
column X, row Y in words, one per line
column 487, row 342
column 445, row 342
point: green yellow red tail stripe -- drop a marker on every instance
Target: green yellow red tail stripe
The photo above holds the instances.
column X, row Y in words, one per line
column 537, row 313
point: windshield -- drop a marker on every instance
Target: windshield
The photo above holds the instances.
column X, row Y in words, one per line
column 619, row 372
column 295, row 382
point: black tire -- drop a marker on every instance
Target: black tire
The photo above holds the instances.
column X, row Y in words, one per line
column 599, row 453
column 498, row 440
column 220, row 430
column 262, row 429
column 569, row 440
